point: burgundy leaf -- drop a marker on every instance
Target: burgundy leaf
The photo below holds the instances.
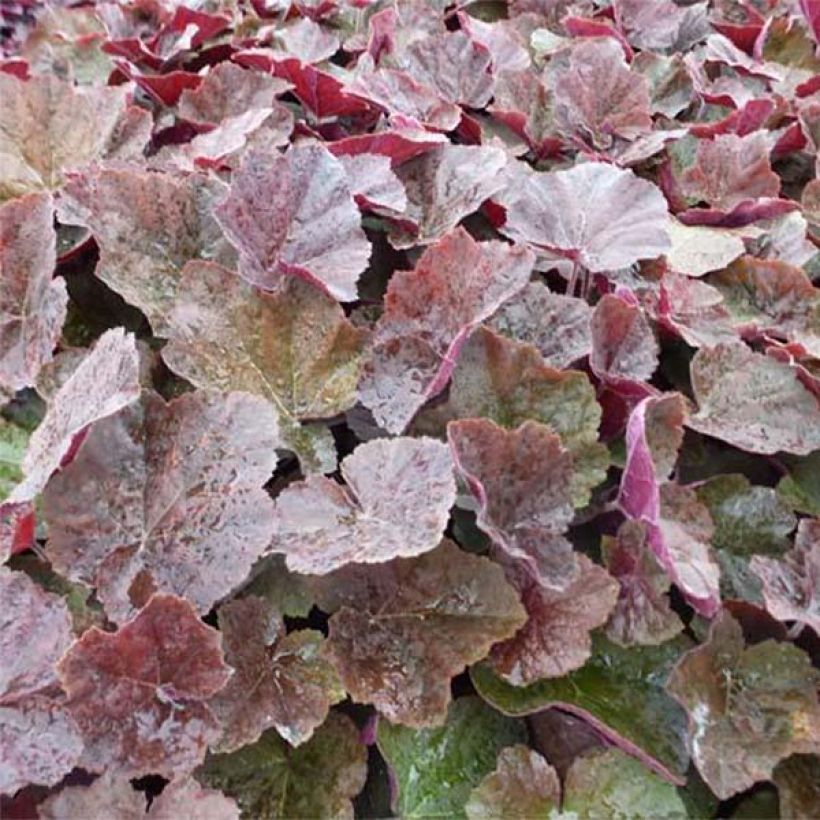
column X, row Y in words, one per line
column 138, row 694
column 294, row 214
column 280, row 680
column 166, row 497
column 401, row 630
column 521, row 480
column 396, row 502
column 429, row 313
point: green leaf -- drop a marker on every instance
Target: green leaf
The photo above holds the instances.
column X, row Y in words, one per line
column 438, row 768
column 13, row 443
column 800, row 488
column 620, row 691
column 270, row 779
column 610, row 785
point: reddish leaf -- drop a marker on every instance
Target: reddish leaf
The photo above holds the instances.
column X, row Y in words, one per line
column 32, row 304
column 107, row 797
column 623, row 344
column 186, row 798
column 429, row 313
column 753, row 402
column 166, row 497
column 294, row 348
column 729, row 170
column 597, row 97
column 555, row 640
column 791, row 585
column 749, row 706
column 294, row 214
column 280, row 680
column 105, row 382
column 396, row 504
column 306, row 40
column 521, row 480
column 399, row 144
column 401, row 630
column 642, row 614
column 603, row 217
column 373, row 184
column 48, row 126
column 444, row 186
column 139, row 694
column 148, row 225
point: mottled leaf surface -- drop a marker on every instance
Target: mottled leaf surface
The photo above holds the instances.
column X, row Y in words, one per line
column 401, row 630
column 395, row 502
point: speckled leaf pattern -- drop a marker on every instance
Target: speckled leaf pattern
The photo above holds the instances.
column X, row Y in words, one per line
column 521, row 480
column 791, row 584
column 395, row 503
column 186, row 798
column 619, row 692
column 32, row 303
column 445, row 185
column 280, row 680
column 294, row 348
column 557, row 325
column 166, row 497
column 270, row 780
column 148, row 224
column 753, row 402
column 105, row 381
column 294, row 214
column 107, row 797
column 696, row 249
column 749, row 706
column 139, row 694
column 598, row 215
column 555, row 640
column 48, row 127
column 437, row 768
column 400, row 631
column 642, row 614
column 429, row 313
column 609, row 783
column 509, row 383
column 522, row 786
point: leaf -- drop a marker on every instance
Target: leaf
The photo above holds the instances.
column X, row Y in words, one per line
column 429, row 314
column 443, row 186
column 595, row 214
column 749, row 706
column 623, row 344
column 769, row 296
column 401, row 630
column 108, row 796
column 437, row 768
column 294, row 214
column 48, row 126
column 280, row 680
column 396, row 503
column 609, row 783
column 148, row 225
column 166, row 497
column 105, row 381
column 799, row 487
column 523, row 786
column 272, row 780
column 13, row 444
column 619, row 692
column 294, row 348
column 508, row 383
column 555, row 640
column 557, row 325
column 790, row 584
column 729, row 170
column 32, row 304
column 753, row 402
column 642, row 613
column 373, row 184
column 521, row 481
column 186, row 798
column 798, row 785
column 697, row 249
column 597, row 97
column 139, row 694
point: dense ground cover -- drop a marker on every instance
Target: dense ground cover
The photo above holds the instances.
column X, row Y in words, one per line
column 409, row 408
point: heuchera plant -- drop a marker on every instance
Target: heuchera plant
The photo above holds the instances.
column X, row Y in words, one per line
column 409, row 408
